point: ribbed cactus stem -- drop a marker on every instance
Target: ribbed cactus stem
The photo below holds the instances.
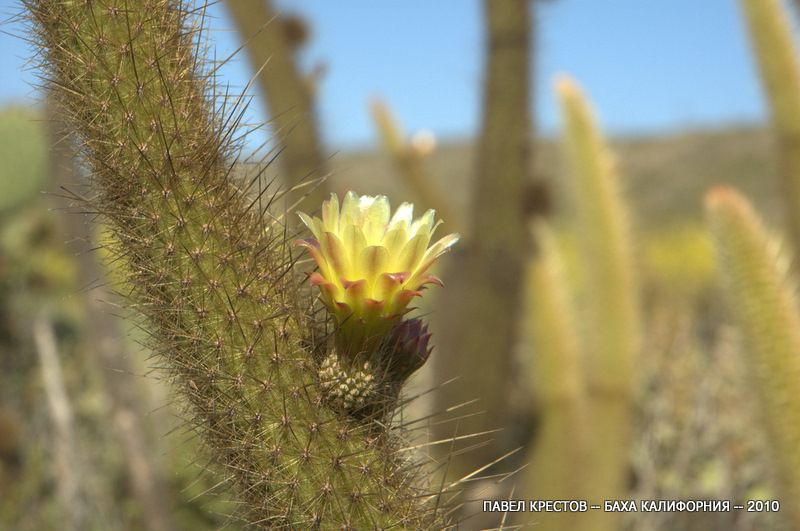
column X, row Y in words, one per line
column 550, row 325
column 763, row 300
column 604, row 239
column 559, row 451
column 611, row 317
column 392, row 136
column 773, row 46
column 212, row 274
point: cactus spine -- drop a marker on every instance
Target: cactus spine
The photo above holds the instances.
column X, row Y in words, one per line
column 611, row 315
column 765, row 305
column 212, row 274
column 772, row 41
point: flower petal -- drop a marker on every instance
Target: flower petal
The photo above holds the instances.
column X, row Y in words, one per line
column 330, row 214
column 372, row 309
column 343, row 311
column 394, row 240
column 388, row 284
column 329, row 291
column 314, row 224
column 334, row 252
column 354, row 242
column 372, row 262
column 354, row 295
column 350, row 214
column 435, row 251
column 316, row 253
column 375, row 219
column 412, row 253
column 442, row 246
column 424, row 223
column 400, row 300
column 431, row 279
column 402, row 217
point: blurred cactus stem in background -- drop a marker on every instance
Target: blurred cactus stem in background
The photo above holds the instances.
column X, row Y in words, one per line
column 763, row 300
column 498, row 248
column 611, row 318
column 270, row 40
column 774, row 48
column 559, row 450
column 409, row 159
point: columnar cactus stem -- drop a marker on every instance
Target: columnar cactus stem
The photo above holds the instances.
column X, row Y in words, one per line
column 560, row 450
column 498, row 240
column 611, row 318
column 764, row 302
column 773, row 46
column 212, row 274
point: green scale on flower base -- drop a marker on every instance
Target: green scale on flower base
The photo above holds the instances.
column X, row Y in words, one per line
column 371, row 264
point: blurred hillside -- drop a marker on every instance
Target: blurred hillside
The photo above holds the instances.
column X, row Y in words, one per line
column 666, row 175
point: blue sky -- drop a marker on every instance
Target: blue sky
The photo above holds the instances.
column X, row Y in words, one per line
column 648, row 66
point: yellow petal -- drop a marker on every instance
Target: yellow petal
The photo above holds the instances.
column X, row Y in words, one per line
column 316, row 253
column 412, row 253
column 436, row 250
column 424, row 223
column 375, row 219
column 387, row 285
column 330, row 214
column 372, row 263
column 334, row 252
column 314, row 224
column 354, row 242
column 393, row 241
column 350, row 214
column 400, row 301
column 354, row 296
column 402, row 217
column 443, row 245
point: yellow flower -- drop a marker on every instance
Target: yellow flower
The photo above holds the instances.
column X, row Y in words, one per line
column 371, row 263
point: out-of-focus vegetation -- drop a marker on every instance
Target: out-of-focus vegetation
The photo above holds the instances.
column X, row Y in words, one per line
column 24, row 155
column 39, row 283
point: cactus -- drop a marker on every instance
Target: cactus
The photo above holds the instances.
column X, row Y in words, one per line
column 763, row 300
column 560, row 451
column 498, row 241
column 610, row 291
column 213, row 275
column 773, row 47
